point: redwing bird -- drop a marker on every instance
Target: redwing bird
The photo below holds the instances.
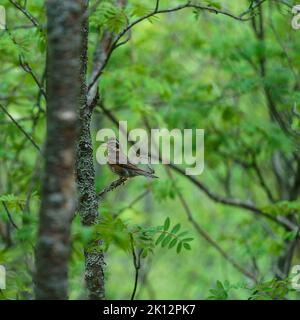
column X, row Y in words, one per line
column 120, row 164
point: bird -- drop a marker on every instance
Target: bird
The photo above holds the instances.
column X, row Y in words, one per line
column 120, row 164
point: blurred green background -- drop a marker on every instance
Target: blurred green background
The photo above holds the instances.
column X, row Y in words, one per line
column 186, row 69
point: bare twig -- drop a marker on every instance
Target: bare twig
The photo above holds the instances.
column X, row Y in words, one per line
column 25, row 12
column 235, row 202
column 137, row 265
column 134, row 201
column 119, row 44
column 262, row 180
column 258, row 26
column 103, row 48
column 115, row 184
column 25, row 66
column 253, row 7
column 9, row 216
column 156, row 6
column 285, row 52
column 21, row 128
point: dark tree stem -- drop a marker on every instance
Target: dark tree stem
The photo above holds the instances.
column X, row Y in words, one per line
column 85, row 172
column 137, row 265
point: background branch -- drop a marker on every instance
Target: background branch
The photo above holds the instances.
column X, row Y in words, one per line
column 21, row 129
column 25, row 12
column 137, row 265
column 205, row 235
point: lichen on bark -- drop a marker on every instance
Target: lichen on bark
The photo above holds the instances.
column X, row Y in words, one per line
column 85, row 173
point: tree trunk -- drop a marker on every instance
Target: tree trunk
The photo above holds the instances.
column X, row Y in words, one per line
column 58, row 195
column 88, row 200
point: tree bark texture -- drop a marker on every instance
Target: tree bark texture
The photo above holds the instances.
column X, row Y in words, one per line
column 85, row 171
column 58, row 196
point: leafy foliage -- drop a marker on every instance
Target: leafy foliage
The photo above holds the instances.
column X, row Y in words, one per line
column 274, row 289
column 170, row 237
column 114, row 231
column 109, row 15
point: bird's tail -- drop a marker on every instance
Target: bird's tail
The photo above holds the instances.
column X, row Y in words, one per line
column 151, row 175
column 148, row 174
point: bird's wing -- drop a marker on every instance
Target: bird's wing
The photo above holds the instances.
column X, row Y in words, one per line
column 133, row 167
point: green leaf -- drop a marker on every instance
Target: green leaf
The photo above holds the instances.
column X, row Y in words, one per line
column 159, row 239
column 214, row 4
column 144, row 253
column 143, row 238
column 110, row 16
column 139, row 10
column 187, row 246
column 179, row 247
column 166, row 240
column 176, row 228
column 220, row 285
column 182, row 234
column 167, row 224
column 188, row 239
column 173, row 243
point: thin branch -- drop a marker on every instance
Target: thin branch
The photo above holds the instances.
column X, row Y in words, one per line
column 285, row 51
column 291, row 252
column 235, row 202
column 255, row 267
column 137, row 266
column 103, row 47
column 9, row 216
column 25, row 66
column 204, row 234
column 109, row 114
column 25, row 12
column 251, row 165
column 115, row 184
column 128, row 33
column 21, row 129
column 144, row 281
column 253, row 7
column 262, row 180
column 123, row 42
column 259, row 32
column 156, row 6
column 134, row 201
